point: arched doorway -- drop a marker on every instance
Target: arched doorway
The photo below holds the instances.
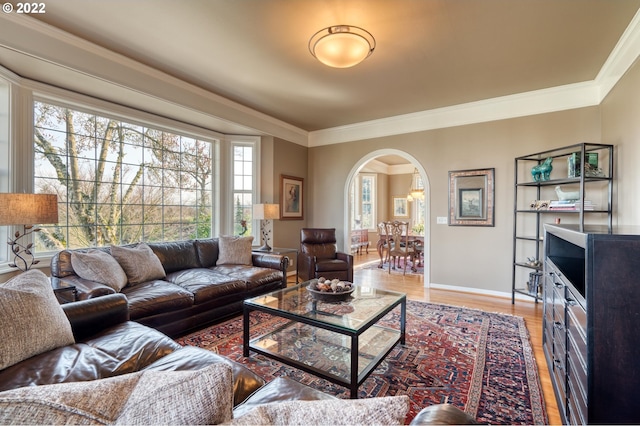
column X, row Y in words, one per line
column 353, row 173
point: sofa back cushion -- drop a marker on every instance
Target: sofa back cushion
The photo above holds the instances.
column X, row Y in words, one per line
column 208, row 252
column 32, row 320
column 235, row 250
column 176, row 255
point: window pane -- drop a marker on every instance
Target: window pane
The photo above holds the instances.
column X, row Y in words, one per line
column 119, row 182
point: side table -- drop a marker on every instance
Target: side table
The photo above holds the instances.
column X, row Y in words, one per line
column 282, row 252
column 60, row 287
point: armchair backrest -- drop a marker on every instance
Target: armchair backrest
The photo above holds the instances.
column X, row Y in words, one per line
column 319, row 242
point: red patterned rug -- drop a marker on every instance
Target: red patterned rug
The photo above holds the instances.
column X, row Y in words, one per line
column 481, row 362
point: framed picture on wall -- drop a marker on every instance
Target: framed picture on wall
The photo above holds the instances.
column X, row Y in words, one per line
column 291, row 196
column 400, row 206
column 471, row 197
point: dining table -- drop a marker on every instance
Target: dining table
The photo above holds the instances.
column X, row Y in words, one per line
column 416, row 240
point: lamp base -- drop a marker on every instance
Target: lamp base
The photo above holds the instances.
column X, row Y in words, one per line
column 265, row 247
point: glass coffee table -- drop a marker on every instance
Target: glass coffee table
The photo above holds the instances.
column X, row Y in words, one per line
column 342, row 342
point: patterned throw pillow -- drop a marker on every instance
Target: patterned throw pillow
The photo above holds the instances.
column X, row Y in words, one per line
column 140, row 263
column 98, row 266
column 32, row 320
column 150, row 397
column 390, row 410
column 235, row 250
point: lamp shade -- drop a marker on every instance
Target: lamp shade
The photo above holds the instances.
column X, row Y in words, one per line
column 342, row 46
column 28, row 209
column 266, row 211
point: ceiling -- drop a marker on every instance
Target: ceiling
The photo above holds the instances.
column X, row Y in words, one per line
column 430, row 53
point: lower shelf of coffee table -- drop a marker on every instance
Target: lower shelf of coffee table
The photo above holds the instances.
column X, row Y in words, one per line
column 326, row 353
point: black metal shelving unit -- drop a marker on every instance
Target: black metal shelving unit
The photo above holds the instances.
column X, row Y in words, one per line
column 528, row 230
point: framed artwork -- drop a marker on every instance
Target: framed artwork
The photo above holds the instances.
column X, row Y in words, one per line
column 291, row 196
column 471, row 197
column 400, row 207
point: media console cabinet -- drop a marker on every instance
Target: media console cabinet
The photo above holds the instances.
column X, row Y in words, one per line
column 591, row 323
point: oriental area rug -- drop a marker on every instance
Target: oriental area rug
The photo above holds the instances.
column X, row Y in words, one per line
column 480, row 362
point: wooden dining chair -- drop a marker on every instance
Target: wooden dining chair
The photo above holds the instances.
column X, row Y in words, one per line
column 399, row 245
column 383, row 243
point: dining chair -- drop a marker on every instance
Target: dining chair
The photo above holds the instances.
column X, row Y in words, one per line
column 399, row 244
column 383, row 243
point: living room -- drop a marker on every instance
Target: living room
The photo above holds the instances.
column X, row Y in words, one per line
column 600, row 106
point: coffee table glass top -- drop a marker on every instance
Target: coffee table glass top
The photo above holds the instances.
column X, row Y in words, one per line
column 363, row 306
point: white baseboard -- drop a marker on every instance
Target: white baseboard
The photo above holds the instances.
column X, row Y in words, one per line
column 483, row 292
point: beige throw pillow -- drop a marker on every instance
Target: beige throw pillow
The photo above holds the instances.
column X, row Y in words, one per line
column 390, row 410
column 140, row 263
column 235, row 250
column 98, row 266
column 32, row 321
column 151, row 397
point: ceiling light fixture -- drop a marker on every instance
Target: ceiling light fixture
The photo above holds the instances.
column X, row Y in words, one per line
column 342, row 46
column 416, row 192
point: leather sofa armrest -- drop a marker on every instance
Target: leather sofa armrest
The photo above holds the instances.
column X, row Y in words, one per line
column 87, row 317
column 87, row 289
column 306, row 266
column 349, row 259
column 273, row 261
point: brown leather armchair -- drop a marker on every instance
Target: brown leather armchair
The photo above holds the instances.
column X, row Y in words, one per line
column 319, row 256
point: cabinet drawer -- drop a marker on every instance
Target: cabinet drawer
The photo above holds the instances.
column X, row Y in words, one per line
column 577, row 406
column 577, row 321
column 577, row 366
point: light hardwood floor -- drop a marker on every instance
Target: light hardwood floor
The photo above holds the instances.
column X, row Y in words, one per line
column 413, row 286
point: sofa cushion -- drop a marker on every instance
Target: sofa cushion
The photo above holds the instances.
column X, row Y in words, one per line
column 156, row 297
column 176, row 255
column 152, row 397
column 140, row 263
column 207, row 284
column 124, row 348
column 208, row 251
column 98, row 266
column 32, row 320
column 254, row 277
column 390, row 410
column 234, row 250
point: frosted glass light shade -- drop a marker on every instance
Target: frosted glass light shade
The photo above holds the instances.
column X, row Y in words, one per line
column 342, row 46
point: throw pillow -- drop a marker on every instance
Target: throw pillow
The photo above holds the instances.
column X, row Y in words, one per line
column 32, row 320
column 140, row 263
column 98, row 266
column 235, row 250
column 151, row 397
column 390, row 410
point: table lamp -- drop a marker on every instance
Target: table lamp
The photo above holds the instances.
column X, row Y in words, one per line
column 264, row 213
column 26, row 210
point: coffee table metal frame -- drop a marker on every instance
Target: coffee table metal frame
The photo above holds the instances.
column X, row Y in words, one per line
column 318, row 314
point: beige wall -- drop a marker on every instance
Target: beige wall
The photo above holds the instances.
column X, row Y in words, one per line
column 621, row 127
column 478, row 257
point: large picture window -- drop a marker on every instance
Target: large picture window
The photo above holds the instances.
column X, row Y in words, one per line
column 119, row 182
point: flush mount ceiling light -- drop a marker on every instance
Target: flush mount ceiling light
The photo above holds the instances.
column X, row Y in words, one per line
column 342, row 46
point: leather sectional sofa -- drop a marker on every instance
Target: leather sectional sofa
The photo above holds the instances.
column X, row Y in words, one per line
column 196, row 290
column 108, row 345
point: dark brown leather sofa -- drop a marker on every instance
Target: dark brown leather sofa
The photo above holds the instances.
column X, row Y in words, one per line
column 194, row 292
column 108, row 345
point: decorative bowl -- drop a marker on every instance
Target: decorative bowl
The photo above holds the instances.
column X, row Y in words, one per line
column 329, row 296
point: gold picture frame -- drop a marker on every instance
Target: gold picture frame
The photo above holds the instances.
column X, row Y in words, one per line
column 471, row 197
column 291, row 197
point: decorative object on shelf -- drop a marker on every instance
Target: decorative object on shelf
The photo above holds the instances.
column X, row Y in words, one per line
column 542, row 172
column 415, row 192
column 591, row 168
column 567, row 195
column 539, row 204
column 471, row 197
column 400, row 206
column 264, row 213
column 342, row 46
column 26, row 210
column 532, row 261
column 533, row 285
column 291, row 197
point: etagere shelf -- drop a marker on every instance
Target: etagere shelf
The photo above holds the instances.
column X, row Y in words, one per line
column 585, row 169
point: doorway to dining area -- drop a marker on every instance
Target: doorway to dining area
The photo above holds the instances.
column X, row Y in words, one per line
column 385, row 186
